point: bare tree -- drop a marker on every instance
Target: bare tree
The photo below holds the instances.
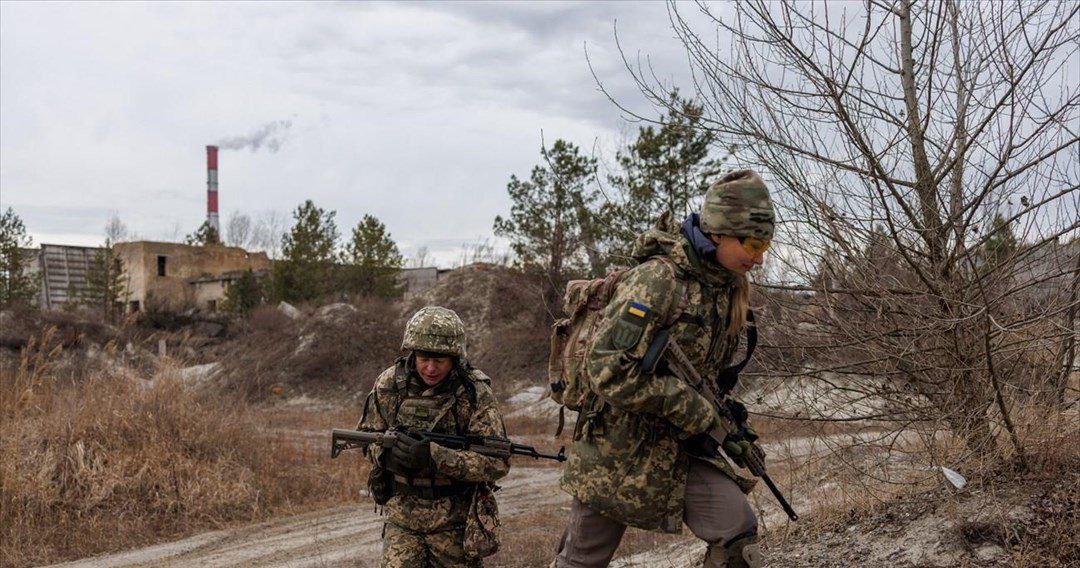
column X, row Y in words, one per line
column 270, row 227
column 893, row 134
column 238, row 230
column 115, row 229
column 420, row 258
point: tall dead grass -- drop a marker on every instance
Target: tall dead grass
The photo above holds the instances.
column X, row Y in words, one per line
column 115, row 461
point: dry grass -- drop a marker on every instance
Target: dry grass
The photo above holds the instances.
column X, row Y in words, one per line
column 871, row 493
column 113, row 462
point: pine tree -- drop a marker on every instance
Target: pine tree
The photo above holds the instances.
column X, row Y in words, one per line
column 106, row 283
column 1001, row 242
column 666, row 170
column 243, row 295
column 305, row 269
column 550, row 223
column 205, row 235
column 372, row 262
column 16, row 287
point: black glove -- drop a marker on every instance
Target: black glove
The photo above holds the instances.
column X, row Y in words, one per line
column 410, row 454
column 701, row 446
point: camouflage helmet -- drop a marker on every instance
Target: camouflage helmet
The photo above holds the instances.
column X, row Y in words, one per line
column 435, row 329
column 738, row 206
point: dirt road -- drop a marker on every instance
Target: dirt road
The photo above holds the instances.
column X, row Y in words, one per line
column 343, row 536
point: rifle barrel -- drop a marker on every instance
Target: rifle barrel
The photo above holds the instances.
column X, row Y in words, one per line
column 780, row 497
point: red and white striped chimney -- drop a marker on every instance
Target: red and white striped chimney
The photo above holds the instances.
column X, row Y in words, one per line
column 211, row 188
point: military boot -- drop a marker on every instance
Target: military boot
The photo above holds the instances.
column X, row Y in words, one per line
column 742, row 552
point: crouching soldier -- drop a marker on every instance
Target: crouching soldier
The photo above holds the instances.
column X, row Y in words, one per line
column 438, row 502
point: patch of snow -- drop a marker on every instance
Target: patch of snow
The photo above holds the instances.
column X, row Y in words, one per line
column 289, row 310
column 335, row 312
column 304, row 344
column 197, row 373
column 530, row 395
column 989, row 552
column 306, row 401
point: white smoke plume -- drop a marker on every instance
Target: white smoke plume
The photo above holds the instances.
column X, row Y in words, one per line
column 272, row 135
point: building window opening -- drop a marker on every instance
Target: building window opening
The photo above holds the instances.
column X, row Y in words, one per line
column 161, row 266
column 212, row 304
column 134, row 306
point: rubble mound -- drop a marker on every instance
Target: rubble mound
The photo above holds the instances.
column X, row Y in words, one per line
column 1018, row 522
column 18, row 326
column 505, row 317
column 335, row 350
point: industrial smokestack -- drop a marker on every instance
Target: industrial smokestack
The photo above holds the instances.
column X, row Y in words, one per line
column 211, row 188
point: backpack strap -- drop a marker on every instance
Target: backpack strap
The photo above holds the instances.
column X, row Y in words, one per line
column 676, row 310
column 727, row 378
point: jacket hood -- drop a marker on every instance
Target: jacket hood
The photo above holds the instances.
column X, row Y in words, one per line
column 667, row 239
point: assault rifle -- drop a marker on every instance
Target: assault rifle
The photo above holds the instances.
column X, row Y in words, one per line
column 341, row 440
column 732, row 414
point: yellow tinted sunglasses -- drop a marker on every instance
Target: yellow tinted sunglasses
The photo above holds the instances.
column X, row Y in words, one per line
column 754, row 246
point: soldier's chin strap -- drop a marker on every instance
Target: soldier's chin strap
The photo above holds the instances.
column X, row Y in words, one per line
column 727, row 378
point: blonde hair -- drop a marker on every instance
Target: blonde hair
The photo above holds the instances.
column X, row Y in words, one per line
column 740, row 305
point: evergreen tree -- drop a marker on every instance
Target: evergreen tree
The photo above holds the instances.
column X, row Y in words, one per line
column 205, row 235
column 243, row 295
column 105, row 282
column 666, row 170
column 16, row 287
column 550, row 224
column 305, row 269
column 1001, row 242
column 372, row 261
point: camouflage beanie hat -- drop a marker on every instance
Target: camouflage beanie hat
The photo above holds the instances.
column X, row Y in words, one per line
column 738, row 206
column 435, row 329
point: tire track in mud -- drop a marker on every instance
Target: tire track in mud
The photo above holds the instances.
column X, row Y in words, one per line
column 330, row 538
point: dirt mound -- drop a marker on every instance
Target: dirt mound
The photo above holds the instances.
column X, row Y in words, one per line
column 335, row 350
column 505, row 317
column 1017, row 522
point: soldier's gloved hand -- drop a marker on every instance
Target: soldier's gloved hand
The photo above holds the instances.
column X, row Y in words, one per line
column 410, row 454
column 738, row 448
column 702, row 446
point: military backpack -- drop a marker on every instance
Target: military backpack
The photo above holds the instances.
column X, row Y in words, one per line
column 583, row 305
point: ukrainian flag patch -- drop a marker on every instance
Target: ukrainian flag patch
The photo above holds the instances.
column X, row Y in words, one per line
column 637, row 309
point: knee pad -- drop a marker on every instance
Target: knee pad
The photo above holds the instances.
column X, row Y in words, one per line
column 742, row 551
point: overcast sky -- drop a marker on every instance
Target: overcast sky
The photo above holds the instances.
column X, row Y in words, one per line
column 415, row 113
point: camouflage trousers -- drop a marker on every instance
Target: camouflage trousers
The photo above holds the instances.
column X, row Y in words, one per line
column 403, row 548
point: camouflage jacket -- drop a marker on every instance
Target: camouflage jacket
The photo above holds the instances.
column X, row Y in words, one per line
column 461, row 404
column 626, row 460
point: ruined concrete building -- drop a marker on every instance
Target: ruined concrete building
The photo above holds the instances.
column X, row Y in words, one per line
column 177, row 277
column 166, row 276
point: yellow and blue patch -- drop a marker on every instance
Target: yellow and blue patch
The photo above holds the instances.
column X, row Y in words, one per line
column 629, row 327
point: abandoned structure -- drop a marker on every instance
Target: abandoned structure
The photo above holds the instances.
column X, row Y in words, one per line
column 177, row 277
column 62, row 271
column 165, row 276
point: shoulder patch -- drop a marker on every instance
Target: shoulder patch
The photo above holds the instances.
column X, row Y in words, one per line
column 636, row 309
column 628, row 329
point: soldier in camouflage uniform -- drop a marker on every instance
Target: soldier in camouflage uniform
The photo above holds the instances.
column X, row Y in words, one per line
column 640, row 455
column 427, row 489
